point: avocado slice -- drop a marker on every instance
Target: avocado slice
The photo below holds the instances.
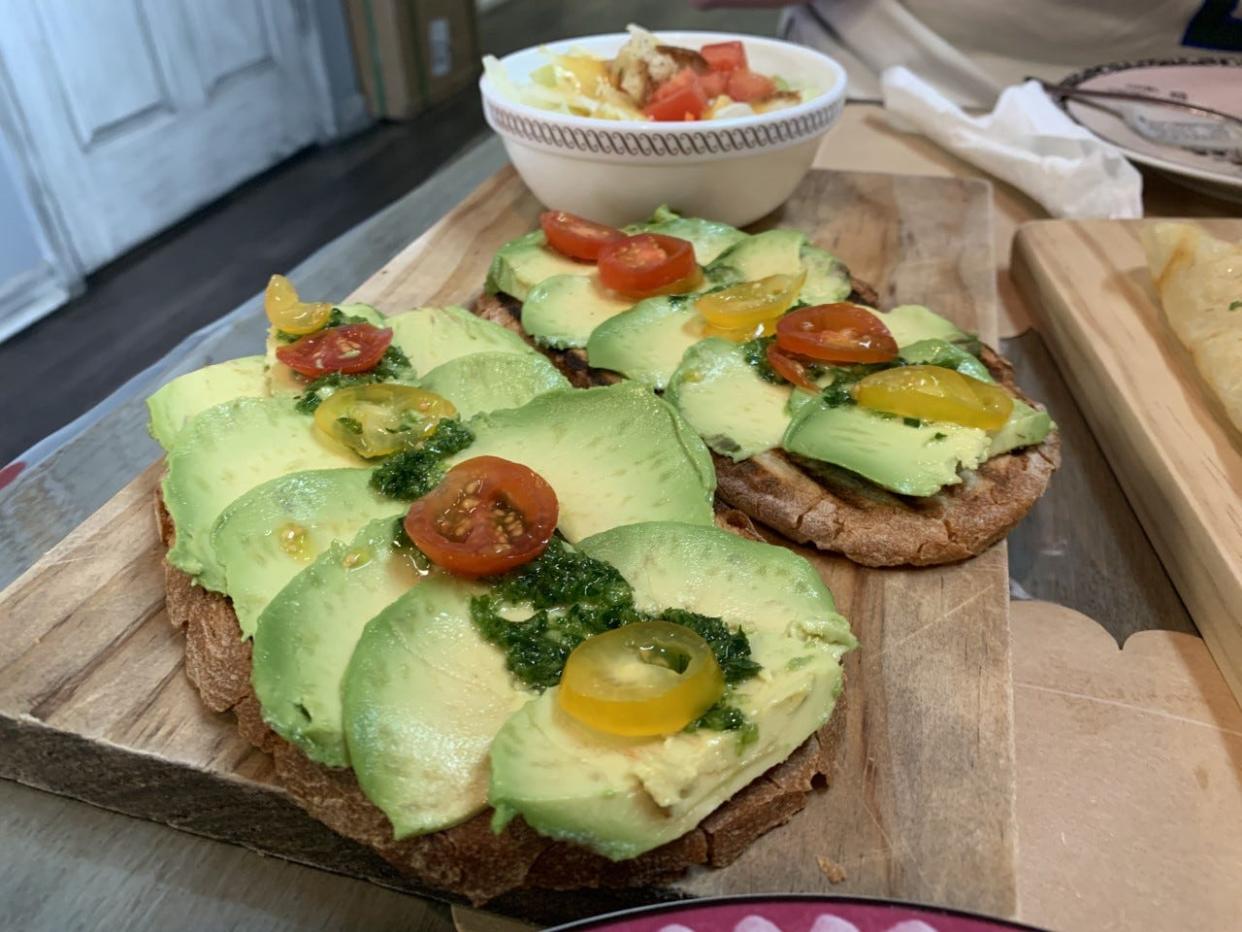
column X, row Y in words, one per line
column 624, row 796
column 224, row 452
column 424, row 694
column 935, row 352
column 708, row 237
column 561, row 311
column 492, row 381
column 523, row 263
column 784, row 252
column 432, row 336
column 271, row 533
column 912, row 323
column 724, row 399
column 614, row 455
column 905, row 458
column 308, row 632
column 1026, row 427
column 185, row 396
column 646, row 343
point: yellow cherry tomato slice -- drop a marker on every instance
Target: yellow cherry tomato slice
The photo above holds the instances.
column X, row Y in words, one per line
column 288, row 313
column 746, row 306
column 934, row 393
column 642, row 679
column 377, row 420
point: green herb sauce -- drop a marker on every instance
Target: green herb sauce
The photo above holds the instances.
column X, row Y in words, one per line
column 413, row 473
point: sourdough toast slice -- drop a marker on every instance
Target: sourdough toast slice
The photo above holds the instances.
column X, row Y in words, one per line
column 831, row 509
column 470, row 860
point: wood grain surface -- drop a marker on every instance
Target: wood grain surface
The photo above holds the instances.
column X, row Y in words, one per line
column 1178, row 460
column 94, row 702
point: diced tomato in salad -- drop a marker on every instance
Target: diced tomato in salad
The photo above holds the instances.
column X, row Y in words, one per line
column 724, row 56
column 690, row 93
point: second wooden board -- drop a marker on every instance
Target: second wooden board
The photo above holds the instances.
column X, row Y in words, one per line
column 1179, row 462
column 94, row 701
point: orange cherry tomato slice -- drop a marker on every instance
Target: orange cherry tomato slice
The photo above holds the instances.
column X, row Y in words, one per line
column 289, row 313
column 576, row 237
column 350, row 349
column 643, row 679
column 724, row 56
column 681, row 97
column 790, row 369
column 934, row 393
column 486, row 516
column 749, row 304
column 836, row 333
column 647, row 264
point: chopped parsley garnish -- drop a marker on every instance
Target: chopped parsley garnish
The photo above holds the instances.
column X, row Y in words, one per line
column 939, row 436
column 339, row 318
column 351, row 424
column 1235, row 305
column 912, row 422
column 572, row 597
column 413, row 473
column 393, row 365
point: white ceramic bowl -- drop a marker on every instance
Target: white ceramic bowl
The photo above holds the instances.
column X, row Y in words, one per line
column 618, row 171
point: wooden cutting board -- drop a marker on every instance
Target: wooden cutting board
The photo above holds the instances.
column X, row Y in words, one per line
column 94, row 702
column 1178, row 459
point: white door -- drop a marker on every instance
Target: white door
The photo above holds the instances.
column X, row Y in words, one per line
column 135, row 112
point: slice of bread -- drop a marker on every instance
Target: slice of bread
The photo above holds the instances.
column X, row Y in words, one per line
column 837, row 511
column 469, row 860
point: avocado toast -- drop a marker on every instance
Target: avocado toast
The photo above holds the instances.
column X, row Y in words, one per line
column 807, row 459
column 400, row 700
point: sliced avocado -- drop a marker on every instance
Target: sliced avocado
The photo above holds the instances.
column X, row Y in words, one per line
column 1026, row 427
column 911, row 323
column 827, row 278
column 523, row 263
column 561, row 311
column 784, row 252
column 273, row 532
column 708, row 237
column 432, row 336
column 282, row 380
column 187, row 395
column 307, row 633
column 723, row 398
column 945, row 354
column 492, row 381
column 646, row 343
column 226, row 451
column 907, row 459
column 623, row 796
column 424, row 694
column 614, row 455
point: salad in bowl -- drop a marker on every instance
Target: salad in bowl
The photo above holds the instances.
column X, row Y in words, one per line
column 649, row 79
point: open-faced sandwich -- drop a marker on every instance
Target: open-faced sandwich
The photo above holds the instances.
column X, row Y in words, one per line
column 487, row 623
column 892, row 437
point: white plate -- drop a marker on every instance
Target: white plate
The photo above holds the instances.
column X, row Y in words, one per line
column 1208, row 82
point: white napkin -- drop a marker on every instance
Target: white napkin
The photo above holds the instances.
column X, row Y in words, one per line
column 1029, row 142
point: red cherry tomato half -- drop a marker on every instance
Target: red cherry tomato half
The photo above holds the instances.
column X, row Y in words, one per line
column 647, row 264
column 724, row 56
column 790, row 369
column 749, row 87
column 836, row 333
column 350, row 349
column 488, row 515
column 681, row 97
column 574, row 236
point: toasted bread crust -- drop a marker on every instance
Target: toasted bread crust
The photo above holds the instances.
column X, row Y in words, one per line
column 834, row 510
column 469, row 860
